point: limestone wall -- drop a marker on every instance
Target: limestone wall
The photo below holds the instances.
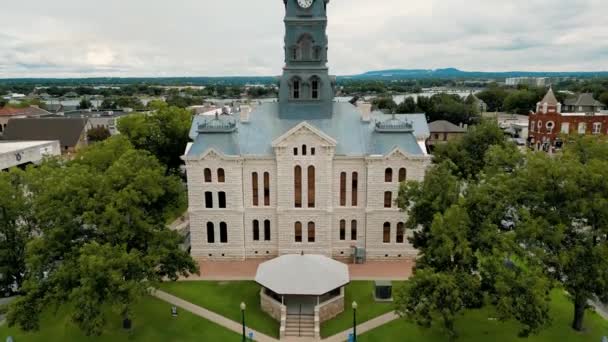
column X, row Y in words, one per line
column 271, row 306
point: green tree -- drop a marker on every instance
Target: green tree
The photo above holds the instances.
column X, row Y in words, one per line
column 16, row 228
column 85, row 104
column 468, row 153
column 384, row 103
column 97, row 134
column 107, row 104
column 408, row 106
column 103, row 239
column 604, row 98
column 494, row 97
column 521, row 101
column 163, row 133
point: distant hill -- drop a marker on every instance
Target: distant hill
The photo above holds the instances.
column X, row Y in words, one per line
column 455, row 73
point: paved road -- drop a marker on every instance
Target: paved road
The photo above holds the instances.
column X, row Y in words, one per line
column 600, row 308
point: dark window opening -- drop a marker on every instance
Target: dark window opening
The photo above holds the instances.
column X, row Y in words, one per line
column 221, row 176
column 402, row 175
column 388, row 199
column 207, row 175
column 400, row 232
column 342, row 230
column 355, row 185
column 315, row 89
column 298, row 232
column 353, row 230
column 388, row 175
column 267, row 230
column 303, row 150
column 256, row 230
column 295, row 151
column 222, row 199
column 311, row 186
column 254, row 188
column 223, row 232
column 266, row 189
column 296, row 89
column 210, row 233
column 343, row 189
column 311, row 232
column 298, row 187
column 312, row 151
column 386, row 233
column 208, row 200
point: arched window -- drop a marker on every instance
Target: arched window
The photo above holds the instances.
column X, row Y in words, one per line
column 304, row 151
column 222, row 199
column 386, row 233
column 295, row 88
column 256, row 230
column 388, row 199
column 208, row 200
column 355, row 189
column 311, row 232
column 266, row 230
column 402, row 175
column 223, row 232
column 315, row 84
column 210, row 233
column 266, row 189
column 298, row 232
column 353, row 230
column 342, row 230
column 221, row 176
column 311, row 186
column 207, row 175
column 305, row 44
column 254, row 189
column 388, row 175
column 343, row 189
column 532, row 126
column 297, row 184
column 294, row 53
column 400, row 232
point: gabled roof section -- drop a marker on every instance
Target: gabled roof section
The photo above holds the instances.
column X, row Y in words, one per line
column 67, row 130
column 585, row 99
column 305, row 126
column 550, row 98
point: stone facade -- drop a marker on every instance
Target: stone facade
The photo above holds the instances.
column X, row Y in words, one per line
column 270, row 306
column 331, row 308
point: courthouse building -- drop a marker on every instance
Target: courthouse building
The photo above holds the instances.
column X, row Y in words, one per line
column 305, row 174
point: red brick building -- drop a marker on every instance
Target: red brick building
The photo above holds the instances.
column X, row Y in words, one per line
column 548, row 123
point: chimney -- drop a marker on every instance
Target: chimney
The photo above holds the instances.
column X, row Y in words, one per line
column 366, row 111
column 245, row 111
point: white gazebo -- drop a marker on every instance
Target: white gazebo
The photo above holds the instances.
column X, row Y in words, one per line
column 302, row 285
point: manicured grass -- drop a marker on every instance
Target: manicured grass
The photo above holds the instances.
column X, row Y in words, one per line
column 152, row 322
column 363, row 293
column 225, row 298
column 474, row 326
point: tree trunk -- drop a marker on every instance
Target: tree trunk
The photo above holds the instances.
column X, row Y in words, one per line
column 580, row 303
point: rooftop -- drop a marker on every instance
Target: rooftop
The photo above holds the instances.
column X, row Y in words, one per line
column 66, row 130
column 14, row 146
column 445, row 127
column 585, row 100
column 309, row 275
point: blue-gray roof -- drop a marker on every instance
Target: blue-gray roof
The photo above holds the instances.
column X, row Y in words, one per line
column 354, row 137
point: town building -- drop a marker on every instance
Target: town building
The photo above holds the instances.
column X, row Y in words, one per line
column 530, row 81
column 22, row 153
column 548, row 123
column 306, row 174
column 70, row 132
column 9, row 112
column 442, row 132
column 583, row 103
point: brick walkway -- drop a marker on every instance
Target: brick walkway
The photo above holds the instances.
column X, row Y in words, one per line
column 245, row 270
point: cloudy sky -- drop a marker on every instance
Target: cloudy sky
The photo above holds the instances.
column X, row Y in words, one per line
column 84, row 38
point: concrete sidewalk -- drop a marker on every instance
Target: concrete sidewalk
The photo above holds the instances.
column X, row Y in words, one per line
column 211, row 316
column 364, row 327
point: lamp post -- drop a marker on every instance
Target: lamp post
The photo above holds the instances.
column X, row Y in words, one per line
column 243, row 307
column 354, row 321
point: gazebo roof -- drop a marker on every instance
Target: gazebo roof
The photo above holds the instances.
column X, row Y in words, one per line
column 294, row 274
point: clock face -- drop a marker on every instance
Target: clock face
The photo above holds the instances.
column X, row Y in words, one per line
column 305, row 3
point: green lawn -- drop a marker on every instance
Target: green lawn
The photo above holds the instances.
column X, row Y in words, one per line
column 225, row 298
column 152, row 322
column 361, row 292
column 474, row 326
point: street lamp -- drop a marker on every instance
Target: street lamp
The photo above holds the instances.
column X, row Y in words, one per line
column 354, row 321
column 243, row 307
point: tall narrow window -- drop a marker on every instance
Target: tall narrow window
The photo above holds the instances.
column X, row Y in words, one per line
column 296, row 89
column 256, row 230
column 295, row 151
column 254, row 189
column 315, row 89
column 221, row 176
column 343, row 189
column 311, row 232
column 400, row 232
column 386, row 233
column 223, row 232
column 342, row 230
column 388, row 175
column 210, row 233
column 312, row 151
column 222, row 199
column 266, row 189
column 355, row 186
column 208, row 200
column 311, row 186
column 297, row 176
column 353, row 230
column 303, row 150
column 294, row 53
column 207, row 175
column 266, row 230
column 298, row 232
column 388, row 199
column 402, row 175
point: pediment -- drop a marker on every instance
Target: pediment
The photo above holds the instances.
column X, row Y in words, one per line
column 304, row 129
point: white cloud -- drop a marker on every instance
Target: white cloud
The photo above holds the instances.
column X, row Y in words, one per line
column 71, row 38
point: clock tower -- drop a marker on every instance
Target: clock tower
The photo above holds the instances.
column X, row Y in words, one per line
column 306, row 89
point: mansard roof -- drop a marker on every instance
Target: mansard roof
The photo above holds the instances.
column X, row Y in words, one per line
column 585, row 100
column 353, row 136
